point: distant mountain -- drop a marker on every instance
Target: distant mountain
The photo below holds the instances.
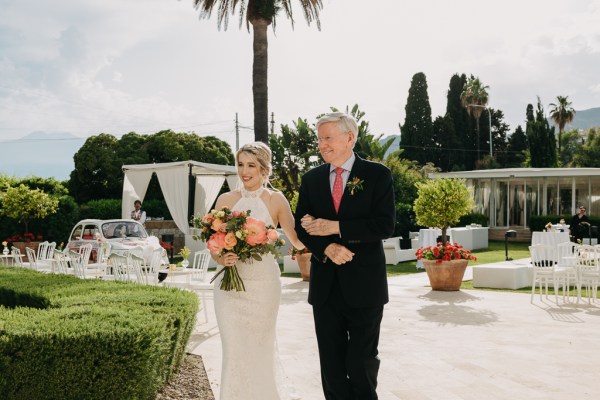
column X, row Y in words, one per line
column 585, row 119
column 394, row 146
column 40, row 154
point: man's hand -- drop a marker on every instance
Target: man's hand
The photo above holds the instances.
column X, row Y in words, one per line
column 319, row 226
column 338, row 253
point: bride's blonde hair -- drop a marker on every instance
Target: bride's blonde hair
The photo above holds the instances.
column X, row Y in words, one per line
column 262, row 154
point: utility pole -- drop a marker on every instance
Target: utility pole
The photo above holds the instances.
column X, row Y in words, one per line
column 237, row 133
column 272, row 123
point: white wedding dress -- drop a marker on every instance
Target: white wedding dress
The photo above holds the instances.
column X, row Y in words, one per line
column 250, row 370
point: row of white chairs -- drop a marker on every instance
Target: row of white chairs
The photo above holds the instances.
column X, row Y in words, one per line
column 565, row 265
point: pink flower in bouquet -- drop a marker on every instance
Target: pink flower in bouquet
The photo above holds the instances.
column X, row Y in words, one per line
column 272, row 235
column 230, row 241
column 208, row 218
column 218, row 225
column 257, row 232
column 216, row 243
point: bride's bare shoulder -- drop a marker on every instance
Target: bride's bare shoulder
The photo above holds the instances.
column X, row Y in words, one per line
column 277, row 198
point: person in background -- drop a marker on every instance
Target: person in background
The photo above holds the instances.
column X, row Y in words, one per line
column 580, row 224
column 138, row 214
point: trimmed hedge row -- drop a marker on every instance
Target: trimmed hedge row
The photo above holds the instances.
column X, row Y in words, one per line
column 67, row 338
column 538, row 222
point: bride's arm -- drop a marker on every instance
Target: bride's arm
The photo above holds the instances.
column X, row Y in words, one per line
column 286, row 219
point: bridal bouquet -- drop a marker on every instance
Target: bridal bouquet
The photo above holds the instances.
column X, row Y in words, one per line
column 235, row 231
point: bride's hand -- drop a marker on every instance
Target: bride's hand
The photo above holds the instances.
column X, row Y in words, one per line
column 228, row 259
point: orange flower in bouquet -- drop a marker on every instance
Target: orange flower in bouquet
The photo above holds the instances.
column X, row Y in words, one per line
column 236, row 232
column 447, row 252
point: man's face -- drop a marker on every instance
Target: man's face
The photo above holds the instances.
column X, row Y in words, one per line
column 582, row 211
column 335, row 146
column 137, row 206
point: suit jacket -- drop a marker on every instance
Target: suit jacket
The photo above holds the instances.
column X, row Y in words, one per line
column 366, row 217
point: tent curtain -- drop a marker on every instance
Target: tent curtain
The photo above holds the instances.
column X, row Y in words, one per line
column 207, row 190
column 175, row 187
column 233, row 181
column 135, row 184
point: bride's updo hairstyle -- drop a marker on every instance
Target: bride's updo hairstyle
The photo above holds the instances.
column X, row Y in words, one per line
column 261, row 153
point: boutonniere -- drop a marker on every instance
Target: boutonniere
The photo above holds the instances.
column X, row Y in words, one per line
column 355, row 185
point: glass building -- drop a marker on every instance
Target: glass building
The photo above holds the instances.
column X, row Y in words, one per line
column 509, row 196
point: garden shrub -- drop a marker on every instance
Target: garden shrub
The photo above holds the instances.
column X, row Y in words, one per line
column 111, row 209
column 64, row 337
column 538, row 222
column 473, row 218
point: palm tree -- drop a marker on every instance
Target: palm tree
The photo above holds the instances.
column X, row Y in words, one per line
column 474, row 98
column 260, row 14
column 561, row 113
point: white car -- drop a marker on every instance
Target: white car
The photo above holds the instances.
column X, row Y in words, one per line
column 122, row 234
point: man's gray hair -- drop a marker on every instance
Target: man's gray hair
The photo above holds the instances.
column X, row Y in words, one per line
column 345, row 123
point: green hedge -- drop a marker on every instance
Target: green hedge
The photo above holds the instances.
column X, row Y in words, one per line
column 111, row 209
column 64, row 337
column 473, row 218
column 538, row 222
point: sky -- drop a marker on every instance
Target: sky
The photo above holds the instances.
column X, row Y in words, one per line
column 117, row 66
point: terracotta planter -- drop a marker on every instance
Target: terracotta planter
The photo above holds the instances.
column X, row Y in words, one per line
column 21, row 246
column 303, row 261
column 447, row 275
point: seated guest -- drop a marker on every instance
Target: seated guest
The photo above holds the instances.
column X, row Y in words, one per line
column 580, row 224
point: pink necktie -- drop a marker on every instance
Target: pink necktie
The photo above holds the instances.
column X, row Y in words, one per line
column 338, row 190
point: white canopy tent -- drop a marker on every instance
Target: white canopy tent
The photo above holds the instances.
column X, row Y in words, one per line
column 180, row 183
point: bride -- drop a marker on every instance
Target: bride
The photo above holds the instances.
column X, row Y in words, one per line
column 247, row 319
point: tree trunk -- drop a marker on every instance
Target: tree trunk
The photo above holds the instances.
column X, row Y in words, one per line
column 259, row 80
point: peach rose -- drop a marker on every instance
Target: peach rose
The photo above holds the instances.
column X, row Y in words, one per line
column 257, row 232
column 208, row 218
column 218, row 225
column 216, row 243
column 272, row 235
column 230, row 241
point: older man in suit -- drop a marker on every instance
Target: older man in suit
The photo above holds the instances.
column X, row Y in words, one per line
column 345, row 208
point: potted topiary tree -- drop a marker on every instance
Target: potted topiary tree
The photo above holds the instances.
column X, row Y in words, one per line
column 25, row 204
column 440, row 203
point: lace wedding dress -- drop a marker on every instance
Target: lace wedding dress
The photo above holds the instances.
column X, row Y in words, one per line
column 247, row 322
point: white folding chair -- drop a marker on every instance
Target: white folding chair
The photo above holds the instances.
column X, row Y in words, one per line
column 61, row 262
column 137, row 266
column 588, row 269
column 77, row 264
column 86, row 251
column 199, row 277
column 17, row 257
column 31, row 258
column 42, row 250
column 544, row 259
column 120, row 267
column 567, row 259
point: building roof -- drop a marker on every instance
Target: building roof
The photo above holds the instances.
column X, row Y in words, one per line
column 518, row 173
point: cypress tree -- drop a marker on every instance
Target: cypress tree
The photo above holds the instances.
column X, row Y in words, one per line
column 416, row 136
column 541, row 138
column 517, row 144
column 463, row 128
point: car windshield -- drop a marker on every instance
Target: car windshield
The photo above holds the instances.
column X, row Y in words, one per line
column 123, row 229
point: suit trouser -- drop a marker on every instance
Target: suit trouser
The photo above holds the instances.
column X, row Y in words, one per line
column 348, row 338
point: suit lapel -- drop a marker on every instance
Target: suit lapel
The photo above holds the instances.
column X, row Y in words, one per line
column 356, row 171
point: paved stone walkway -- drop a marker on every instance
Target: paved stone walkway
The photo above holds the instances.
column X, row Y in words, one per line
column 471, row 344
